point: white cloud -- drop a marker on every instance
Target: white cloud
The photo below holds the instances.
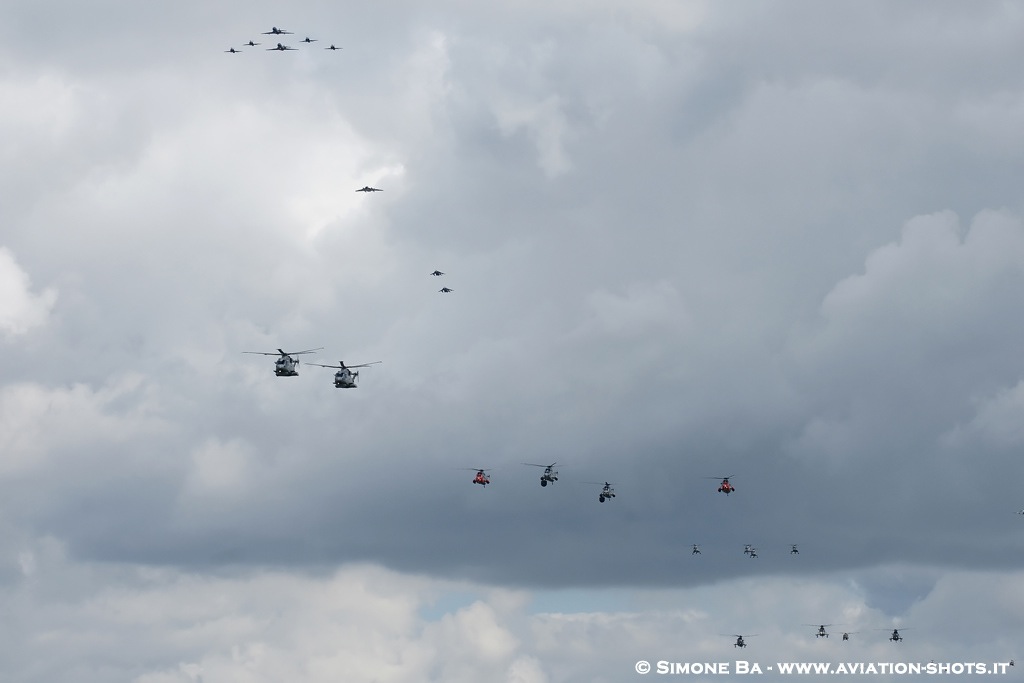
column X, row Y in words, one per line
column 20, row 309
column 364, row 623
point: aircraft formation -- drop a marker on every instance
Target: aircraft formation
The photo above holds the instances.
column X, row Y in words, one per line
column 286, row 364
column 278, row 34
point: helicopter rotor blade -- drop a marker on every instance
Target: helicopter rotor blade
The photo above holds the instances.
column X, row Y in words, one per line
column 297, row 353
column 363, row 365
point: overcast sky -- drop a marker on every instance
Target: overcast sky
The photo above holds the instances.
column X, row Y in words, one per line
column 776, row 241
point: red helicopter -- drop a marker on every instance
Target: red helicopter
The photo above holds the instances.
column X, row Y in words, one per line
column 481, row 476
column 725, row 487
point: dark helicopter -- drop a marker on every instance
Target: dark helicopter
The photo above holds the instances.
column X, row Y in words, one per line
column 285, row 366
column 344, row 378
column 550, row 476
column 606, row 491
column 821, row 632
column 739, row 639
column 895, row 636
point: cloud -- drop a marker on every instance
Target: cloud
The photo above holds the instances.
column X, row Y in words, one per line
column 21, row 310
column 363, row 623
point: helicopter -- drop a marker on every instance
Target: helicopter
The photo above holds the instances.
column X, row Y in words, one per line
column 606, row 492
column 344, row 378
column 749, row 550
column 821, row 632
column 285, row 366
column 753, row 552
column 725, row 487
column 739, row 639
column 481, row 476
column 695, row 549
column 895, row 637
column 847, row 634
column 550, row 476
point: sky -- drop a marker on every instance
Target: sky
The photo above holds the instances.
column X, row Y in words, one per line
column 777, row 241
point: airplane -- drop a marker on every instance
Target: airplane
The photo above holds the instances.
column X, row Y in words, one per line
column 752, row 552
column 550, row 476
column 281, row 48
column 367, row 188
column 307, row 39
column 725, row 487
column 285, row 366
column 252, row 44
column 437, row 273
column 233, row 51
column 344, row 378
column 333, row 48
column 696, row 550
column 739, row 639
column 793, row 550
column 275, row 31
column 606, row 492
column 446, row 290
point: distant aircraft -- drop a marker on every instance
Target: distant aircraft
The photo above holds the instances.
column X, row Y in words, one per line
column 275, row 31
column 307, row 39
column 333, row 48
column 436, row 273
column 445, row 290
column 252, row 44
column 233, row 51
column 281, row 47
column 367, row 188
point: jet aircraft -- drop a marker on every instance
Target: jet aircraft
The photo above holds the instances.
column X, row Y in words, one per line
column 367, row 188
